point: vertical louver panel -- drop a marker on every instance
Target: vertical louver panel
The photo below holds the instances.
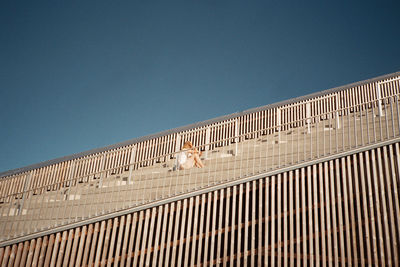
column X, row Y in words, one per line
column 344, row 211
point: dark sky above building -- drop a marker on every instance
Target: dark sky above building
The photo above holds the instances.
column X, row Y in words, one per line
column 76, row 75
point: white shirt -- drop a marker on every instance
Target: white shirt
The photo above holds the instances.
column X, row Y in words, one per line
column 181, row 157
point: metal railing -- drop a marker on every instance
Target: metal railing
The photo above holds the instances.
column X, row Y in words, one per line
column 96, row 160
column 232, row 158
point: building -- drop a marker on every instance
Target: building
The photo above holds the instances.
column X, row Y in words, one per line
column 308, row 181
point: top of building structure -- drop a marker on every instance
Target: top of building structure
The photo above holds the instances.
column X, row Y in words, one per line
column 193, row 125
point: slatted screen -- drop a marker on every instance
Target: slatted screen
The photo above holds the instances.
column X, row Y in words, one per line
column 340, row 212
column 116, row 160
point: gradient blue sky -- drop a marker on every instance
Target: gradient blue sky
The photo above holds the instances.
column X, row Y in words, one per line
column 76, row 75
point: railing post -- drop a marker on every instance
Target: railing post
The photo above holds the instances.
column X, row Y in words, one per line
column 278, row 119
column 27, row 182
column 308, row 116
column 67, row 191
column 337, row 112
column 102, row 163
column 178, row 143
column 278, row 123
column 69, row 179
column 177, row 149
column 397, row 107
column 208, row 141
column 132, row 160
column 379, row 97
column 236, row 135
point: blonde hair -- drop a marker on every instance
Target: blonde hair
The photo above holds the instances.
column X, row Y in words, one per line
column 187, row 144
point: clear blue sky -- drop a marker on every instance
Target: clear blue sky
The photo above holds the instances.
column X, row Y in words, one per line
column 76, row 75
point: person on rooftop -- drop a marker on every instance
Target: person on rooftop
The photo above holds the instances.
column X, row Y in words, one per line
column 189, row 157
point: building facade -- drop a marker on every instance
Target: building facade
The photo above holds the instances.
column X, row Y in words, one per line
column 309, row 181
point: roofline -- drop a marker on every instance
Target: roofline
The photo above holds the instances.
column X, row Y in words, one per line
column 191, row 126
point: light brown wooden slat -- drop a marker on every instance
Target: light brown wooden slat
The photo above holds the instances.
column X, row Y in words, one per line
column 207, row 229
column 144, row 238
column 13, row 252
column 160, row 215
column 105, row 228
column 240, row 215
column 246, row 224
column 43, row 249
column 323, row 231
column 279, row 219
column 16, row 255
column 175, row 239
column 374, row 237
column 196, row 214
column 377, row 207
column 260, row 218
column 272, row 250
column 70, row 240
column 169, row 235
column 253, row 222
column 350, row 202
column 131, row 239
column 83, row 246
column 182, row 233
column 190, row 239
column 219, row 227
column 77, row 237
column 297, row 198
column 138, row 237
column 5, row 252
column 315, row 210
column 364, row 208
column 163, row 234
column 359, row 215
column 334, row 229
column 146, row 149
column 285, row 213
column 304, row 217
column 233, row 228
column 103, row 242
column 63, row 172
column 61, row 251
column 13, row 186
column 395, row 180
column 228, row 233
column 110, row 257
column 93, row 242
column 291, row 222
column 346, row 209
column 385, row 216
column 42, row 176
column 328, row 229
column 340, row 219
column 55, row 249
column 310, row 215
column 125, row 242
column 391, row 216
column 119, row 160
column 117, row 255
column 8, row 256
column 48, row 253
column 33, row 253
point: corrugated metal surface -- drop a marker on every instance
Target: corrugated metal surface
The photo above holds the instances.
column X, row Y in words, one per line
column 340, row 212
